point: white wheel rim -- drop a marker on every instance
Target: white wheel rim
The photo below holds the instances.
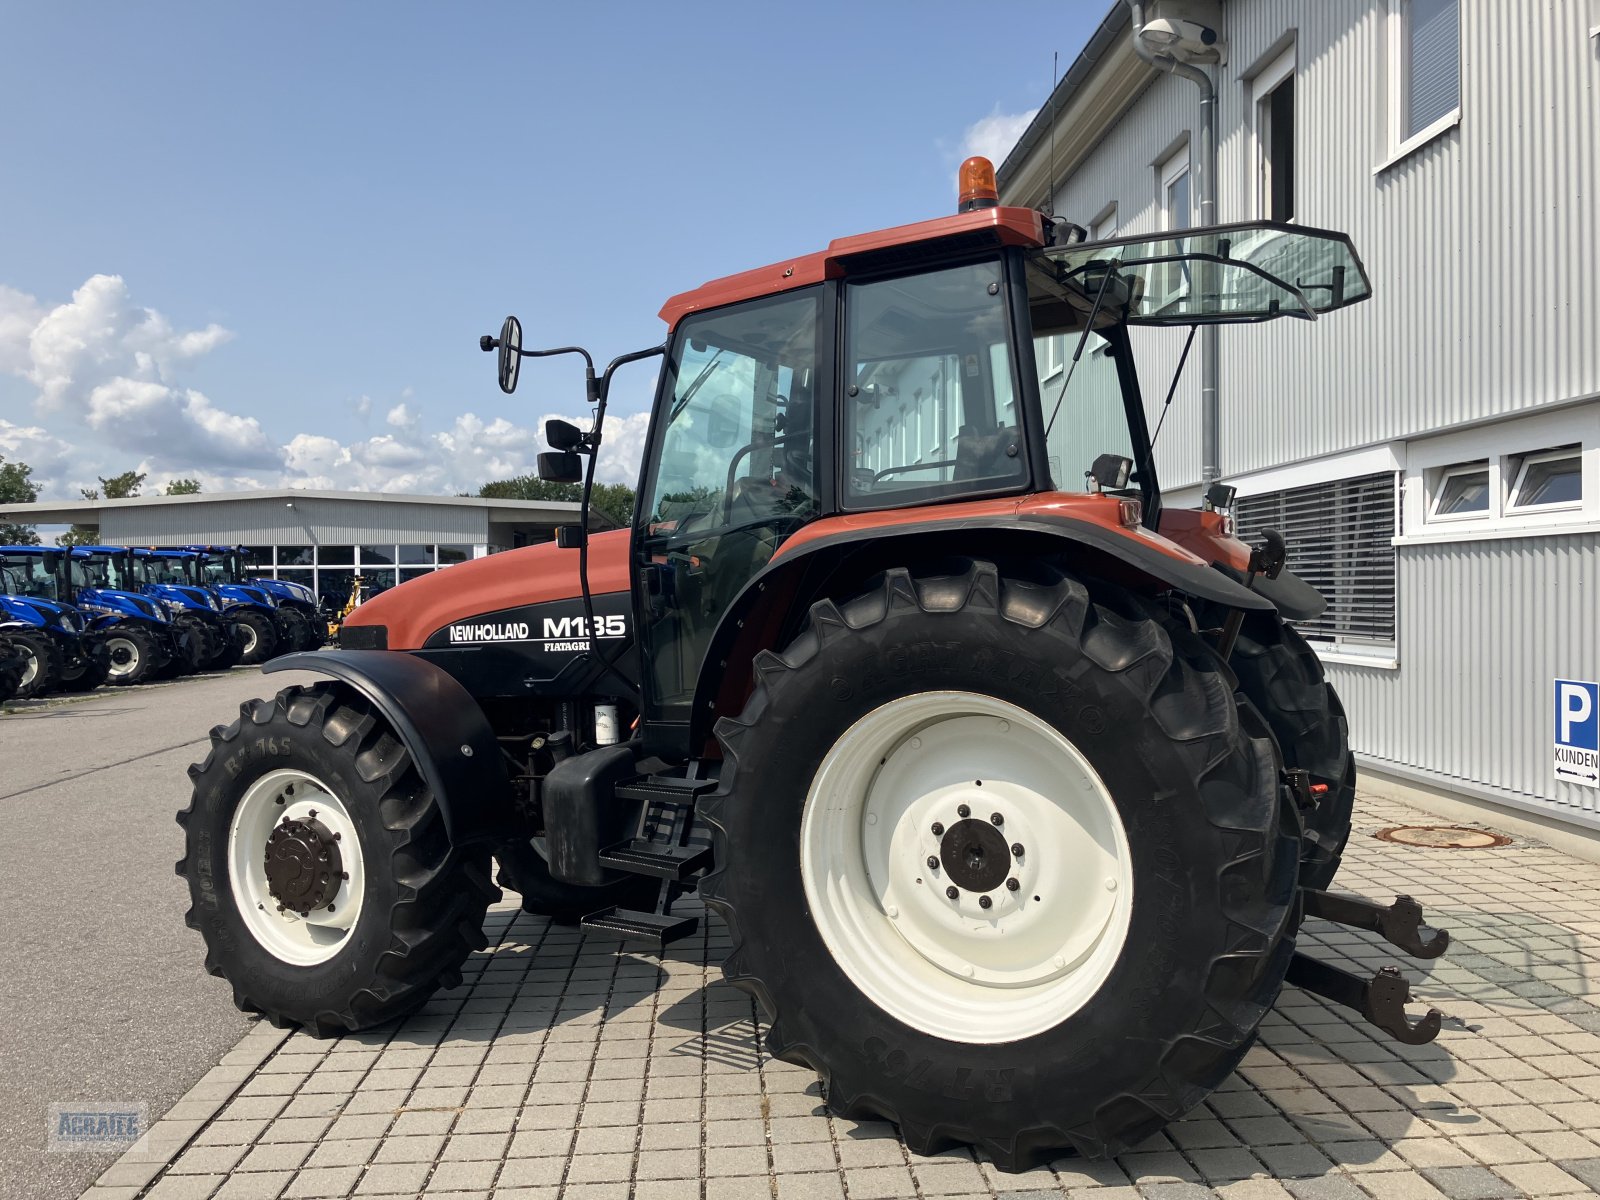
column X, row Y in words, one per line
column 950, row 967
column 121, row 667
column 249, row 636
column 31, row 671
column 319, row 935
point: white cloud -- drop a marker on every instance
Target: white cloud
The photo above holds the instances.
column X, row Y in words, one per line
column 108, row 371
column 994, row 135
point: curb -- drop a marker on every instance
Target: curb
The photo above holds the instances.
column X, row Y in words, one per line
column 153, row 1153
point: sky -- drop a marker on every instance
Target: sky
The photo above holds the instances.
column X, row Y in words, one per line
column 256, row 244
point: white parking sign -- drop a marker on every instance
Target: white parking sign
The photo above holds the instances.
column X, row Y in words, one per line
column 1578, row 732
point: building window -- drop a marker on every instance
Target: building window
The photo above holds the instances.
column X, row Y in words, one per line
column 1176, row 206
column 336, row 556
column 1273, row 93
column 1425, row 68
column 1461, row 493
column 1340, row 541
column 1549, row 480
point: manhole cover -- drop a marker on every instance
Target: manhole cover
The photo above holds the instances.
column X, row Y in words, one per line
column 1444, row 837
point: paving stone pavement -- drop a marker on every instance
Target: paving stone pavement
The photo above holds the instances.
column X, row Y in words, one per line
column 563, row 1069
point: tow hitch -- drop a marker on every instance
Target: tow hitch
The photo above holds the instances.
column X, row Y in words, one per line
column 1381, row 999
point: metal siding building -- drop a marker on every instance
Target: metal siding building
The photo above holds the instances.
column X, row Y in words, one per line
column 1478, row 349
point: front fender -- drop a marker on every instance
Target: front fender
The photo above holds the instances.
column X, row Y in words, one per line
column 441, row 725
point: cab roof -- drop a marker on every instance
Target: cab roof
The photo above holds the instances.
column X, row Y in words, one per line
column 998, row 226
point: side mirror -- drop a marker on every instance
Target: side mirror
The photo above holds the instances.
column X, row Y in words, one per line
column 562, row 435
column 561, row 466
column 510, row 354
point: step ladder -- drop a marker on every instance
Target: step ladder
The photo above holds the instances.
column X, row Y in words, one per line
column 659, row 849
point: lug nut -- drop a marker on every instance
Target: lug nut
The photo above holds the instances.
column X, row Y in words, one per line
column 938, row 829
column 933, row 863
column 1012, row 885
column 952, row 891
column 996, row 819
column 1016, row 849
column 985, row 902
column 964, row 811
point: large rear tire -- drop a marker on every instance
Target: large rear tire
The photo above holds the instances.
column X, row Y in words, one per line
column 1140, row 882
column 41, row 667
column 297, row 633
column 260, row 640
column 89, row 673
column 1283, row 677
column 321, row 874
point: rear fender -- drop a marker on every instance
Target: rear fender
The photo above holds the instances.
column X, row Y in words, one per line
column 447, row 734
column 772, row 606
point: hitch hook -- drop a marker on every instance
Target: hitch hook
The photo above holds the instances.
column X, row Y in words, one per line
column 1399, row 924
column 1381, row 1000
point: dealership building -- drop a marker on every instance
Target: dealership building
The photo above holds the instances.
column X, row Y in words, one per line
column 320, row 539
column 1431, row 454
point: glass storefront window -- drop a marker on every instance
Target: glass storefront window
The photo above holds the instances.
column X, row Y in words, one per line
column 414, row 556
column 295, row 556
column 377, row 554
column 454, row 554
column 306, row 577
column 333, row 586
column 412, row 572
column 336, row 556
column 257, row 558
column 378, row 580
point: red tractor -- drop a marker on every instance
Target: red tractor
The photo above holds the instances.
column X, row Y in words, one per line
column 1012, row 784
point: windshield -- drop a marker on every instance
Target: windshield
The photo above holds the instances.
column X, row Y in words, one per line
column 100, row 571
column 1223, row 274
column 160, row 570
column 27, row 577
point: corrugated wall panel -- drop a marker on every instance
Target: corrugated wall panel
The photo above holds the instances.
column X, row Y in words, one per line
column 1481, row 244
column 249, row 522
column 1485, row 630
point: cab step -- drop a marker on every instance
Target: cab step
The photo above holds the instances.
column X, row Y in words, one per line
column 657, row 928
column 640, row 856
column 672, row 790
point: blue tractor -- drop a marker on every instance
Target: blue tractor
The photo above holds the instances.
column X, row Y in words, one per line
column 294, row 605
column 172, row 577
column 42, row 633
column 144, row 642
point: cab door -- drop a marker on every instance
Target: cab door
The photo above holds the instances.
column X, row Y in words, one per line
column 732, row 471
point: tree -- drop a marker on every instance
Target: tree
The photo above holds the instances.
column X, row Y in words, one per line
column 183, row 487
column 82, row 535
column 614, row 500
column 120, row 487
column 17, row 488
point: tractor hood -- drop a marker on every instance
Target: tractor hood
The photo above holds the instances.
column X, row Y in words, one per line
column 186, row 597
column 31, row 610
column 238, row 593
column 110, row 602
column 513, row 579
column 285, row 590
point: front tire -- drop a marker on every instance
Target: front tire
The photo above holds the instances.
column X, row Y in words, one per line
column 1151, row 920
column 41, row 665
column 372, row 920
column 132, row 652
column 260, row 637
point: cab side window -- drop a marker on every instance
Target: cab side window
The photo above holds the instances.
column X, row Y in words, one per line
column 929, row 407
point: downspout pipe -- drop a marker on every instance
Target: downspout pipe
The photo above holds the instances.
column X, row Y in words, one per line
column 1205, row 177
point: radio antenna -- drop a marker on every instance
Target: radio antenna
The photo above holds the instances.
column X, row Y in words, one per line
column 1050, row 185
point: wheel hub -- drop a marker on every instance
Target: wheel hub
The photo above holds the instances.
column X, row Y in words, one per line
column 974, row 856
column 302, row 864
